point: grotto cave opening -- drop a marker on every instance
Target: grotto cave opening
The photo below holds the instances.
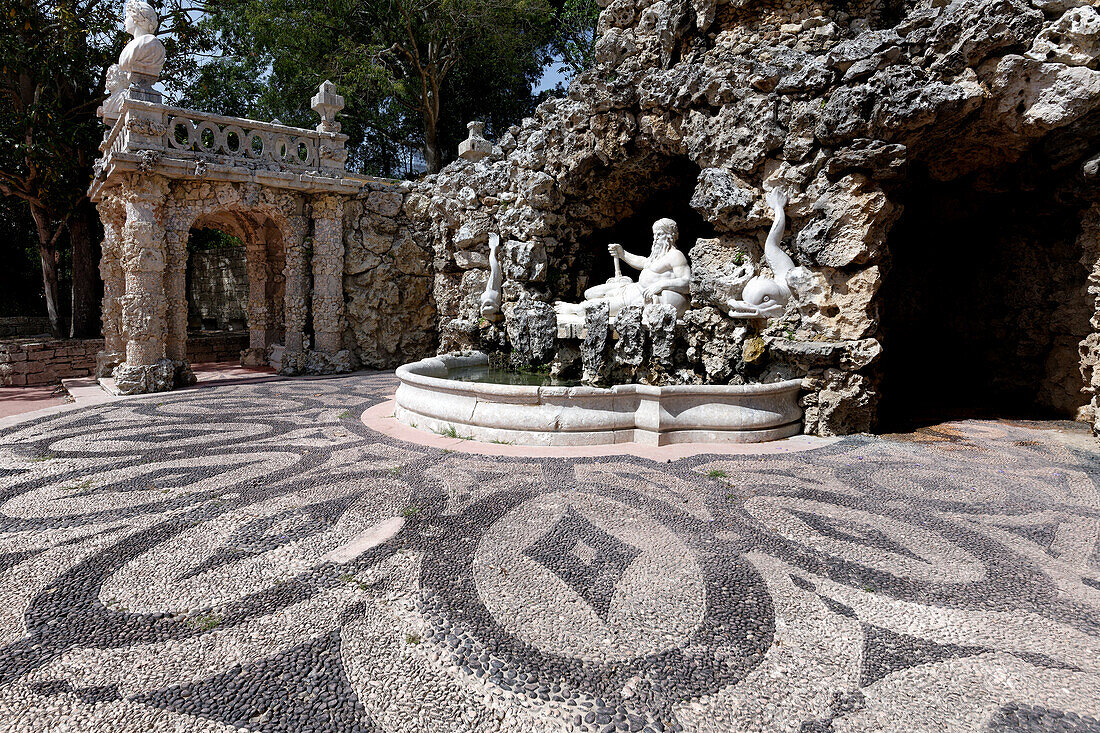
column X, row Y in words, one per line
column 984, row 302
column 632, row 198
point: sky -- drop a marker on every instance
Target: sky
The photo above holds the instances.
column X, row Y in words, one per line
column 551, row 77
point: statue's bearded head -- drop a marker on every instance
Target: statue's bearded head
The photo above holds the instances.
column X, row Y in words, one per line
column 665, row 234
column 141, row 18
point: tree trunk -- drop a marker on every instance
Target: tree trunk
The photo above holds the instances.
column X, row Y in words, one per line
column 433, row 156
column 87, row 288
column 47, row 253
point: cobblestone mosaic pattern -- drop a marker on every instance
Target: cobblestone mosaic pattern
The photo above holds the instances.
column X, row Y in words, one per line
column 253, row 558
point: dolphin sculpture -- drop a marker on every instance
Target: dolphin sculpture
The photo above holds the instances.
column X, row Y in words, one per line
column 490, row 299
column 767, row 297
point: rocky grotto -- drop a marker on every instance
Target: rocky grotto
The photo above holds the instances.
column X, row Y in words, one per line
column 940, row 163
column 941, row 159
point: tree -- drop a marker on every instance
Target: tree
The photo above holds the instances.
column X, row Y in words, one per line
column 400, row 64
column 52, row 61
column 574, row 42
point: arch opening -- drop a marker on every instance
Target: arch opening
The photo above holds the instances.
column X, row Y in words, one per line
column 638, row 193
column 236, row 282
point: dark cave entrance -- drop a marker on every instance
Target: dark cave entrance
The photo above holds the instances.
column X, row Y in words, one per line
column 639, row 196
column 984, row 304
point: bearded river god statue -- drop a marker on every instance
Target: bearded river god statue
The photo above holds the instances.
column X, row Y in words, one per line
column 664, row 277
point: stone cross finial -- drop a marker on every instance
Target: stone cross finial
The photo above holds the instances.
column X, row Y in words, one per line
column 327, row 103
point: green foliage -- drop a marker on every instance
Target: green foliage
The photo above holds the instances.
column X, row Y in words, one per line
column 211, row 239
column 21, row 276
column 205, row 622
column 412, row 72
column 574, row 42
column 53, row 57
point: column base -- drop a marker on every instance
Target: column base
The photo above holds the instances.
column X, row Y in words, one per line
column 184, row 376
column 146, row 378
column 106, row 361
column 316, row 362
column 253, row 357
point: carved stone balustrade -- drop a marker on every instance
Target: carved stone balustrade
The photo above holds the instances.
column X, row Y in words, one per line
column 184, row 143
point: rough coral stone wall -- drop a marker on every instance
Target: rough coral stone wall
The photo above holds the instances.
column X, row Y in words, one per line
column 695, row 109
column 1090, row 346
column 389, row 310
column 217, row 287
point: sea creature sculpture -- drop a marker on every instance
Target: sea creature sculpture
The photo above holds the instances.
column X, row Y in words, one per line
column 767, row 297
column 490, row 299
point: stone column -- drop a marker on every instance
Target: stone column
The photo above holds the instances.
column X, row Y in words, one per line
column 295, row 305
column 259, row 314
column 175, row 288
column 144, row 306
column 328, row 273
column 112, row 214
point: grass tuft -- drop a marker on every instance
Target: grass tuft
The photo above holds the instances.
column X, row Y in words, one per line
column 205, row 622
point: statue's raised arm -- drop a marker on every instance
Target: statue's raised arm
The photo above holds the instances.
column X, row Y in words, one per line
column 664, row 277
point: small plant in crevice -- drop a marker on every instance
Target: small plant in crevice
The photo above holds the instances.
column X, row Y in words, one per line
column 410, row 511
column 717, row 473
column 412, row 638
column 205, row 622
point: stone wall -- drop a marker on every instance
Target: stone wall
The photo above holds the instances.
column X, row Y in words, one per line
column 838, row 102
column 217, row 288
column 29, row 362
column 390, row 311
column 17, row 326
column 211, row 347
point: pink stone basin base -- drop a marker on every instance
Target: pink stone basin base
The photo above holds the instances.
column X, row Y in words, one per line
column 427, row 399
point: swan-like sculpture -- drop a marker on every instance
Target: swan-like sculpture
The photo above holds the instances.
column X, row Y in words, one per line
column 490, row 299
column 767, row 297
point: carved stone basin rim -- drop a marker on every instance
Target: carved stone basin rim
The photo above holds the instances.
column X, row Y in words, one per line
column 428, row 399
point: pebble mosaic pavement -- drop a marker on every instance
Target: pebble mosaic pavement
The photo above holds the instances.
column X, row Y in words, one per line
column 253, row 558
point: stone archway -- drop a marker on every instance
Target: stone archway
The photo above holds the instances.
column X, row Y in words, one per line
column 262, row 242
column 282, row 189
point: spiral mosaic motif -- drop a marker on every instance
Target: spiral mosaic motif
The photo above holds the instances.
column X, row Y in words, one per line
column 251, row 557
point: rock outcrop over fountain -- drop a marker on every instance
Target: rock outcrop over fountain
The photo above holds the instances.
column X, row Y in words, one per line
column 696, row 109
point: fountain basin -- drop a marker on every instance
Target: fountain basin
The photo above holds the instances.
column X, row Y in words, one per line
column 430, row 398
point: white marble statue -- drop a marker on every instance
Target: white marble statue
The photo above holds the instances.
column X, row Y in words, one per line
column 116, row 84
column 490, row 299
column 143, row 58
column 767, row 297
column 664, row 277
